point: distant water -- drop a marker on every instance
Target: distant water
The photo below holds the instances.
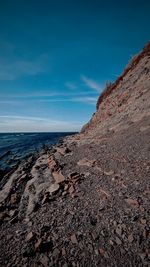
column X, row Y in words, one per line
column 16, row 146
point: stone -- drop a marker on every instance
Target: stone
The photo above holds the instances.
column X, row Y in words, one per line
column 111, row 242
column 96, row 252
column 3, row 215
column 119, row 230
column 86, row 174
column 58, row 177
column 44, row 260
column 109, row 173
column 51, row 163
column 118, row 241
column 143, row 221
column 56, row 253
column 101, row 251
column 95, row 235
column 53, row 188
column 86, row 162
column 62, row 150
column 66, row 187
column 71, row 190
column 93, row 220
column 63, row 252
column 132, row 202
column 74, row 239
column 130, row 238
column 13, row 213
column 38, row 245
column 14, row 198
column 30, row 236
column 45, row 198
column 42, row 247
column 101, row 207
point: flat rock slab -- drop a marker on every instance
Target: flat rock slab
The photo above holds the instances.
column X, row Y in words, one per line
column 58, row 177
column 53, row 188
column 86, row 162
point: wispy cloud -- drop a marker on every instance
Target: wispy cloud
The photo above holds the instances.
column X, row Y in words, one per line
column 91, row 83
column 87, row 100
column 36, row 124
column 43, row 93
column 71, row 85
column 84, row 99
column 19, row 67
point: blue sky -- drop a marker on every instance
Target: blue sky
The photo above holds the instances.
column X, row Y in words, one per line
column 56, row 55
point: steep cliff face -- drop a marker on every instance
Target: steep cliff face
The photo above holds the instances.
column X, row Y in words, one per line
column 124, row 101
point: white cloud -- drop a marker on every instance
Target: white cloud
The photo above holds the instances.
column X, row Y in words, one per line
column 35, row 124
column 83, row 99
column 91, row 83
column 43, row 93
column 86, row 99
column 71, row 85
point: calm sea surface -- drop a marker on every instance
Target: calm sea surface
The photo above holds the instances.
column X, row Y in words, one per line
column 16, row 146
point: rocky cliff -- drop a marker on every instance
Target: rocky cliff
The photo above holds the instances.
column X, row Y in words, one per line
column 126, row 100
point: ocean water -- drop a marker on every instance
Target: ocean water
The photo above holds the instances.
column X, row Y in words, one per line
column 15, row 147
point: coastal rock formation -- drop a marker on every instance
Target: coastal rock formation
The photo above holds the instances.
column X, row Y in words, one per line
column 85, row 202
column 125, row 101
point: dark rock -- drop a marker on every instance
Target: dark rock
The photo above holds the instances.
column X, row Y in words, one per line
column 42, row 247
column 93, row 220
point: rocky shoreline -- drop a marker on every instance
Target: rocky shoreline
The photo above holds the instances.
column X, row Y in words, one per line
column 92, row 212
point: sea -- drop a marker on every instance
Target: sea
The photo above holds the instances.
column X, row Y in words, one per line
column 15, row 147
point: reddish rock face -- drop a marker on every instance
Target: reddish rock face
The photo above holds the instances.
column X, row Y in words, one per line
column 121, row 100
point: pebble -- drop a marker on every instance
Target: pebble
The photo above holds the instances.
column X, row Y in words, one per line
column 30, row 236
column 53, row 188
column 118, row 241
column 14, row 198
column 74, row 239
column 56, row 253
column 63, row 252
column 119, row 230
column 101, row 251
column 96, row 252
column 132, row 202
column 109, row 173
column 71, row 190
column 44, row 260
column 130, row 238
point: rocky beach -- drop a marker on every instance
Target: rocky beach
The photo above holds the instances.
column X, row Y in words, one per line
column 85, row 202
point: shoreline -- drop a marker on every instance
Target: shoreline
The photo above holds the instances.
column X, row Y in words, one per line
column 7, row 168
column 72, row 204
